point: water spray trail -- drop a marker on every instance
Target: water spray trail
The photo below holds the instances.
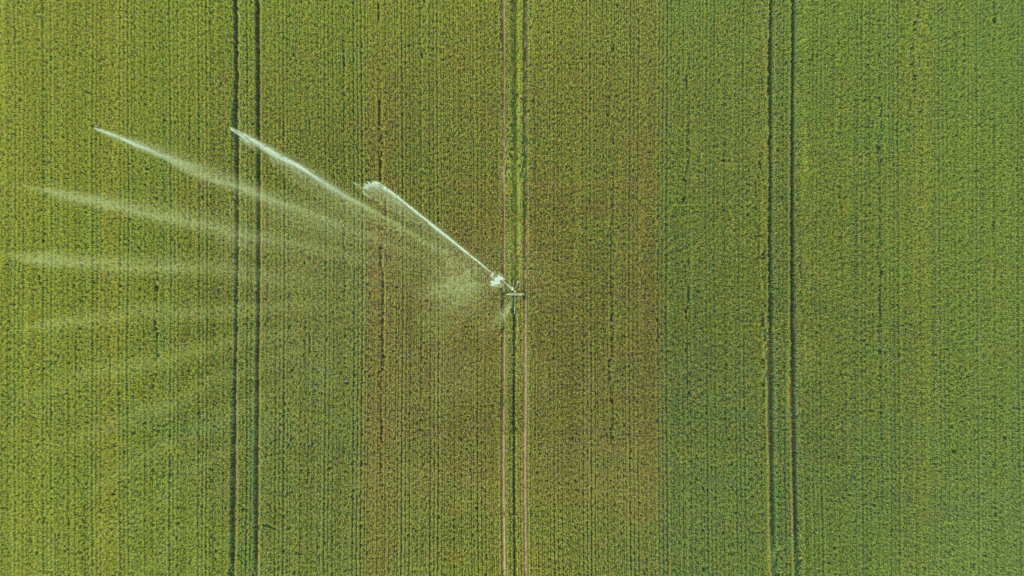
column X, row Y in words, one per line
column 128, row 265
column 217, row 179
column 496, row 279
column 185, row 166
column 293, row 166
column 137, row 211
column 209, row 176
column 183, row 221
column 296, row 167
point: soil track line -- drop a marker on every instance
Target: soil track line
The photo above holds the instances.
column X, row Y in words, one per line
column 522, row 226
column 518, row 53
column 504, row 268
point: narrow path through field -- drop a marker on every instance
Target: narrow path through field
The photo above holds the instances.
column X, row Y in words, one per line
column 513, row 18
column 504, row 267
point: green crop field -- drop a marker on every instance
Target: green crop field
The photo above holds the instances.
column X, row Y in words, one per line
column 771, row 254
